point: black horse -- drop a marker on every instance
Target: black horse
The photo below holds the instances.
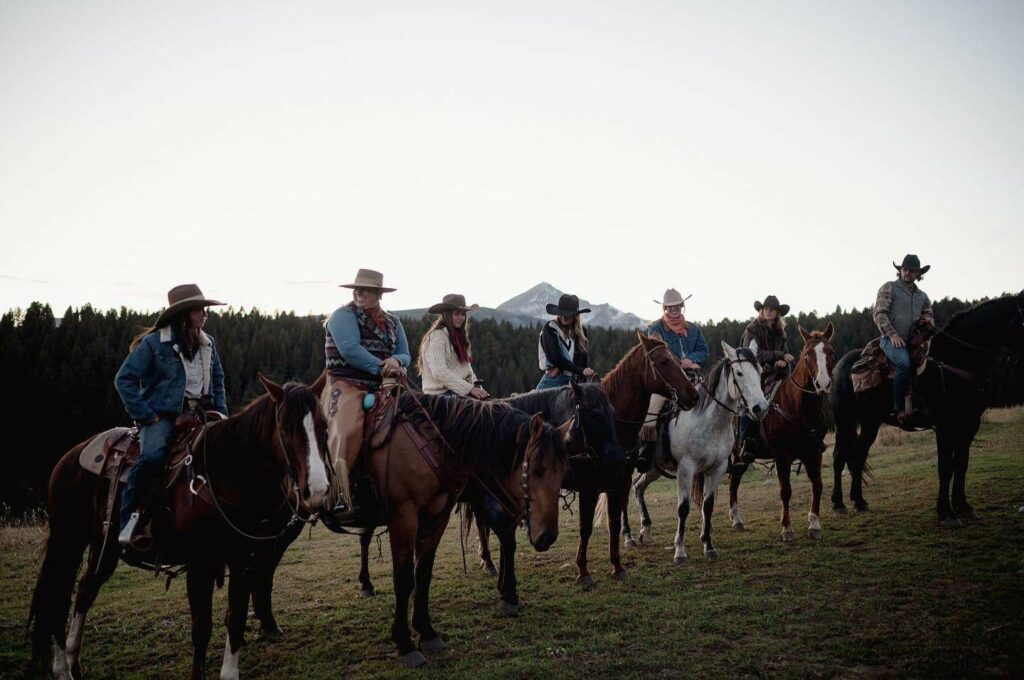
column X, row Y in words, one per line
column 951, row 388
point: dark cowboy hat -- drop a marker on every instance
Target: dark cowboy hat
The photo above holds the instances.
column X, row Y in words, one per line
column 451, row 302
column 771, row 302
column 180, row 298
column 568, row 305
column 367, row 278
column 913, row 262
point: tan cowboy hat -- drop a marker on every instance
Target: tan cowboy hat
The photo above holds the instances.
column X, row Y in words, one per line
column 367, row 278
column 180, row 298
column 451, row 302
column 771, row 302
column 673, row 297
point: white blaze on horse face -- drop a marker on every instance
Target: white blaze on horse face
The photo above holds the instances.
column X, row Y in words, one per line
column 229, row 669
column 317, row 472
column 824, row 380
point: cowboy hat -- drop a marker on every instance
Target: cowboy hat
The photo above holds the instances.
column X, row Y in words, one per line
column 913, row 262
column 771, row 302
column 673, row 297
column 180, row 298
column 568, row 305
column 451, row 302
column 367, row 278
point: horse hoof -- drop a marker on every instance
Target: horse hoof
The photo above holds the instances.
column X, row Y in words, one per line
column 413, row 659
column 788, row 536
column 272, row 633
column 509, row 609
column 620, row 575
column 840, row 510
column 861, row 507
column 969, row 514
column 435, row 646
column 712, row 555
column 490, row 570
column 367, row 593
column 585, row 580
column 629, row 542
column 952, row 521
column 680, row 560
column 739, row 526
column 814, row 533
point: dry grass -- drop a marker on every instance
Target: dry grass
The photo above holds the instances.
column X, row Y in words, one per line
column 1003, row 415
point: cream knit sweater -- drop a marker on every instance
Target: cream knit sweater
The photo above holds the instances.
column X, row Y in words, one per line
column 442, row 370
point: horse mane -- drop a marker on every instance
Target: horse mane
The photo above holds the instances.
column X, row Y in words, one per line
column 488, row 432
column 614, row 377
column 707, row 395
column 960, row 316
column 247, row 431
column 536, row 401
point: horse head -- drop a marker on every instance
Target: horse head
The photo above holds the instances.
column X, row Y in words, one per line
column 663, row 375
column 591, row 434
column 817, row 358
column 743, row 373
column 300, row 431
column 543, row 468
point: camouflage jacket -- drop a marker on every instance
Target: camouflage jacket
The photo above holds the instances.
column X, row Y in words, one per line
column 898, row 305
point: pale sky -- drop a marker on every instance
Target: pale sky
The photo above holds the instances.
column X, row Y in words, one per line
column 729, row 149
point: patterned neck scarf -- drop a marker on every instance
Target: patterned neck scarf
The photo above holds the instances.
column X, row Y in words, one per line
column 377, row 315
column 677, row 326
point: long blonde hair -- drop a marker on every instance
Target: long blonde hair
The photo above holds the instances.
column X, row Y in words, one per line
column 780, row 321
column 575, row 331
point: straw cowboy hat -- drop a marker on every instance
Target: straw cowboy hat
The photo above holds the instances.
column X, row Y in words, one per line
column 451, row 302
column 180, row 298
column 568, row 305
column 367, row 278
column 913, row 262
column 673, row 297
column 771, row 302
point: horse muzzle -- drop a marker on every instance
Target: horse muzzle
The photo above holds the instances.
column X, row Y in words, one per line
column 545, row 541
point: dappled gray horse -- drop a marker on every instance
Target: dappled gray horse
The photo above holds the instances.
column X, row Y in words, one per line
column 701, row 440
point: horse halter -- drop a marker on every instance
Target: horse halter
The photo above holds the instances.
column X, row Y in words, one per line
column 739, row 396
column 292, row 475
column 817, row 391
column 674, row 398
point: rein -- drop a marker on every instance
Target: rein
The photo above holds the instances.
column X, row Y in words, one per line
column 673, row 398
column 742, row 401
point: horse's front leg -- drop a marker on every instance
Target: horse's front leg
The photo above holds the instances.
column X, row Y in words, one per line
column 944, row 442
column 429, row 537
column 712, row 479
column 365, row 584
column 640, row 485
column 961, row 459
column 735, row 477
column 239, row 588
column 267, row 561
column 617, row 496
column 857, row 461
column 588, row 503
column 812, row 465
column 684, row 483
column 785, row 493
column 508, row 586
column 199, row 584
column 402, row 531
column 483, row 535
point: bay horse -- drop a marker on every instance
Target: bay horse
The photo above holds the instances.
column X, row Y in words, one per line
column 951, row 387
column 593, row 445
column 794, row 430
column 251, row 474
column 700, row 443
column 422, row 468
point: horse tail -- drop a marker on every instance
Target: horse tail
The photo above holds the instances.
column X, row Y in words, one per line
column 69, row 515
column 697, row 490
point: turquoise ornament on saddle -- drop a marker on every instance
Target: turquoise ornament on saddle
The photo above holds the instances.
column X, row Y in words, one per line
column 369, row 399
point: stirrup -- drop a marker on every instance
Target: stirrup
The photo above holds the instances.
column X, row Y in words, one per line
column 134, row 535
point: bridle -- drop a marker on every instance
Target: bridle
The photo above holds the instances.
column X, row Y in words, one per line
column 732, row 384
column 817, row 391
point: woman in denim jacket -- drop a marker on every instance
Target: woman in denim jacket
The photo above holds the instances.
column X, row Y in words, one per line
column 173, row 365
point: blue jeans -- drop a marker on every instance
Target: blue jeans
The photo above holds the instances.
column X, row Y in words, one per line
column 901, row 357
column 561, row 381
column 149, row 466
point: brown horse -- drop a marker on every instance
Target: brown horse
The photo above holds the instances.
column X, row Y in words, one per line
column 420, row 471
column 248, row 477
column 794, row 429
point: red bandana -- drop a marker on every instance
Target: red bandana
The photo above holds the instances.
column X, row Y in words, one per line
column 677, row 326
column 377, row 314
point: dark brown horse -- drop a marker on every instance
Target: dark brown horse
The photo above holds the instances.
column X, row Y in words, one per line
column 952, row 388
column 424, row 466
column 250, row 475
column 794, row 429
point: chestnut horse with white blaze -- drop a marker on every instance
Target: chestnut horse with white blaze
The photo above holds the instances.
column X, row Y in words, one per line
column 794, row 429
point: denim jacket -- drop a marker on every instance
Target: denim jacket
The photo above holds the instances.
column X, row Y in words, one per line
column 691, row 346
column 151, row 381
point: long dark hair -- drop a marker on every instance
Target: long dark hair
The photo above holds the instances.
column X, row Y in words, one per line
column 186, row 334
column 444, row 320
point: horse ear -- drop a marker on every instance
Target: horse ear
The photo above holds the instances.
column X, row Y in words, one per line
column 536, row 425
column 319, row 383
column 577, row 391
column 829, row 329
column 803, row 334
column 273, row 389
column 643, row 338
column 728, row 350
column 753, row 345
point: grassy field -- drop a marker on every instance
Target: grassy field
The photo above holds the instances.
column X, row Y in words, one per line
column 882, row 593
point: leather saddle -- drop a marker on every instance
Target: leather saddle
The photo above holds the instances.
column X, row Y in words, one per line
column 112, row 453
column 873, row 367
